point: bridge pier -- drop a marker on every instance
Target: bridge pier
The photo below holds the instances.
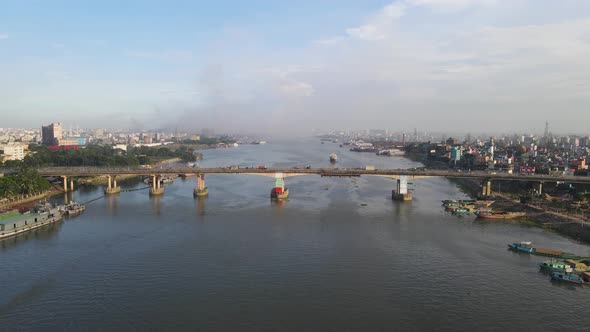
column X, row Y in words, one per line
column 200, row 189
column 486, row 188
column 540, row 187
column 401, row 193
column 156, row 188
column 279, row 191
column 65, row 184
column 112, row 188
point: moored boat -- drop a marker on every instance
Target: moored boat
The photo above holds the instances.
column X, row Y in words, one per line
column 500, row 215
column 568, row 277
column 522, row 246
column 555, row 266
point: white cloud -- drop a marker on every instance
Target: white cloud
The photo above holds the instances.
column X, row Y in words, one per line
column 297, row 89
column 165, row 56
column 380, row 25
column 450, row 4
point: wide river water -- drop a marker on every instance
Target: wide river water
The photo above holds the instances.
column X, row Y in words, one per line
column 339, row 255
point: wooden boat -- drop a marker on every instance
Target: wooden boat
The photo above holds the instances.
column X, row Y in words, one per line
column 500, row 215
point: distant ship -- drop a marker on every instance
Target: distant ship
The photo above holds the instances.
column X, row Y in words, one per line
column 333, row 158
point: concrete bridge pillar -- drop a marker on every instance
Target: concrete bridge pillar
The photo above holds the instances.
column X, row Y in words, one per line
column 486, row 188
column 540, row 187
column 65, row 184
column 401, row 193
column 71, row 184
column 156, row 188
column 201, row 190
column 279, row 191
column 112, row 188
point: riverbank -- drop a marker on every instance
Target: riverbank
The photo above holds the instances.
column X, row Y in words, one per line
column 32, row 198
column 568, row 225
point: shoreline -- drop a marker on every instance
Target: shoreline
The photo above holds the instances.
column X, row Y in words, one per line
column 52, row 192
column 563, row 224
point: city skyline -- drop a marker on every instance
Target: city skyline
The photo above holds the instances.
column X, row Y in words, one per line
column 439, row 65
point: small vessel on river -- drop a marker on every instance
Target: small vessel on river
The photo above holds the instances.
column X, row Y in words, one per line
column 522, row 246
column 500, row 215
column 527, row 247
column 333, row 158
column 555, row 266
column 73, row 209
column 568, row 277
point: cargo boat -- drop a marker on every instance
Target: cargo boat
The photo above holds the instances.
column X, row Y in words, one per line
column 568, row 277
column 522, row 246
column 555, row 266
column 279, row 194
column 13, row 223
column 527, row 247
column 502, row 215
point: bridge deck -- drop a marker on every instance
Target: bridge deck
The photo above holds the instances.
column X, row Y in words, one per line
column 344, row 172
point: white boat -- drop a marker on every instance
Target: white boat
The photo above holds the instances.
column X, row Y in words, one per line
column 333, row 157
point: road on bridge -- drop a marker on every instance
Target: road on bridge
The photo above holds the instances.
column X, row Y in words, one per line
column 411, row 173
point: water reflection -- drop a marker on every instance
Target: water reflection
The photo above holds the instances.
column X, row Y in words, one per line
column 156, row 204
column 41, row 233
column 112, row 202
column 200, row 202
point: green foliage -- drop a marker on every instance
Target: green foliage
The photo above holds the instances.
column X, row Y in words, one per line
column 210, row 141
column 143, row 153
column 98, row 155
column 26, row 182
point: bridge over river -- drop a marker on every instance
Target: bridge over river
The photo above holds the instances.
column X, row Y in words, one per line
column 401, row 175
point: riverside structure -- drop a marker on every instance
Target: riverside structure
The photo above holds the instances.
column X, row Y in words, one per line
column 401, row 175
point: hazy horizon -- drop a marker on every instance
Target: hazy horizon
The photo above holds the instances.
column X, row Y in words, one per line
column 448, row 66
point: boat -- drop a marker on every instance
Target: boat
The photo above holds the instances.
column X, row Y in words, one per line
column 555, row 266
column 73, row 209
column 579, row 263
column 276, row 193
column 522, row 246
column 568, row 277
column 333, row 157
column 13, row 222
column 500, row 215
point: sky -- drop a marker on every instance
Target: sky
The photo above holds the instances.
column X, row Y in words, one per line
column 288, row 67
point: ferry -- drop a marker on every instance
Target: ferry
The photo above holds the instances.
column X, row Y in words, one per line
column 568, row 277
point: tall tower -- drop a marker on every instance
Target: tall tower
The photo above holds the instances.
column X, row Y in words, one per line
column 546, row 134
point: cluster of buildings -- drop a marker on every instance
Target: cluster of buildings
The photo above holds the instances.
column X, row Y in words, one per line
column 14, row 143
column 525, row 154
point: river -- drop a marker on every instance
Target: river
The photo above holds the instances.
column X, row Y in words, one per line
column 339, row 255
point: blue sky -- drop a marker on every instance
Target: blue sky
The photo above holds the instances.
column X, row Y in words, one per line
column 265, row 65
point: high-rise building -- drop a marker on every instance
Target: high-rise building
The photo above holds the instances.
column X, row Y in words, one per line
column 51, row 134
column 13, row 152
